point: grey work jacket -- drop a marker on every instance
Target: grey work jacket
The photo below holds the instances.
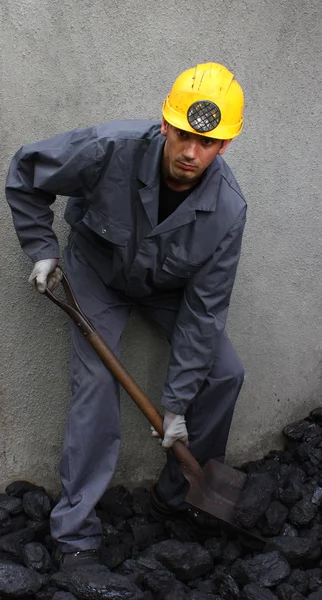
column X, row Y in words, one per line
column 111, row 173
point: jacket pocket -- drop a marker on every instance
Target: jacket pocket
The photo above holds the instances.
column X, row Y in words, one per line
column 179, row 267
column 109, row 230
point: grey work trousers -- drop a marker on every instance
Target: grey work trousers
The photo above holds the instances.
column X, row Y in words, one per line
column 92, row 439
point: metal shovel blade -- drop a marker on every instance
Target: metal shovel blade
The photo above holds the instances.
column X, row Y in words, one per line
column 216, row 490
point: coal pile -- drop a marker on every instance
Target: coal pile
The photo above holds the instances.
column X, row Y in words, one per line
column 143, row 559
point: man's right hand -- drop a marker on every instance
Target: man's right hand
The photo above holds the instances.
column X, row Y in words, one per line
column 45, row 274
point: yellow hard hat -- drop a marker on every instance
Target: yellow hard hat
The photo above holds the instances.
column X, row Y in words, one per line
column 206, row 100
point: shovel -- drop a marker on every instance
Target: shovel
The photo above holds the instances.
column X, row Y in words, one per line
column 214, row 488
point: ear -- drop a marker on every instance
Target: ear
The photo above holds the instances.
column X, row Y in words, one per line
column 224, row 146
column 164, row 127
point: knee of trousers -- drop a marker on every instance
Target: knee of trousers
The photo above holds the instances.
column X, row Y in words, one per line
column 239, row 374
column 95, row 391
column 86, row 366
column 232, row 373
column 93, row 377
column 227, row 370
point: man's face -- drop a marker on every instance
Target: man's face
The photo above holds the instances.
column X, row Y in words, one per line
column 187, row 155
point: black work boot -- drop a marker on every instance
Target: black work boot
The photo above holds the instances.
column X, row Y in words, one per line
column 160, row 511
column 68, row 561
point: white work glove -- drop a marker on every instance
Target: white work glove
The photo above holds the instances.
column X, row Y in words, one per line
column 174, row 428
column 45, row 274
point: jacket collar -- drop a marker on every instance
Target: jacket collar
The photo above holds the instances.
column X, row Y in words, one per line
column 149, row 168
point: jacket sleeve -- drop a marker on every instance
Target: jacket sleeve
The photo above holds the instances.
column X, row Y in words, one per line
column 201, row 320
column 67, row 164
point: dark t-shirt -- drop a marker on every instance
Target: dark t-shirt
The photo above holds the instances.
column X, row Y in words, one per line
column 170, row 199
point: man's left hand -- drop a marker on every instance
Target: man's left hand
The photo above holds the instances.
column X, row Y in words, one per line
column 174, row 428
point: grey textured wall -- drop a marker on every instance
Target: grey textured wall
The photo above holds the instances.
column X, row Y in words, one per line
column 74, row 64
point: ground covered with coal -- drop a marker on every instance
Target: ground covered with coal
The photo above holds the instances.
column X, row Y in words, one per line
column 143, row 559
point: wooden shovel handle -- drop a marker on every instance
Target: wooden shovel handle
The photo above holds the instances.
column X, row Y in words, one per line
column 72, row 308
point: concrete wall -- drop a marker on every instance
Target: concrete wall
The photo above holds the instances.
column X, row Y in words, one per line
column 74, row 64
